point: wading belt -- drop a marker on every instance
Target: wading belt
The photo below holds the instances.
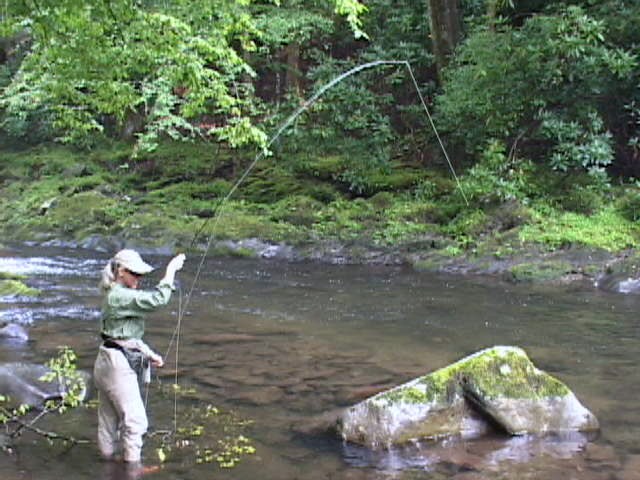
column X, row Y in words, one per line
column 137, row 360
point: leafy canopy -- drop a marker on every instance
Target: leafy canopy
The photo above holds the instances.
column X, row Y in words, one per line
column 541, row 84
column 156, row 68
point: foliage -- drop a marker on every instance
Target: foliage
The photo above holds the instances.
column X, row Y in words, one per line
column 557, row 229
column 166, row 77
column 352, row 10
column 205, row 434
column 577, row 146
column 629, row 204
column 507, row 83
column 154, row 70
column 498, row 178
column 348, row 121
column 63, row 371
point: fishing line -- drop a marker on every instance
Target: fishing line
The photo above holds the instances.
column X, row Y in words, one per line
column 217, row 213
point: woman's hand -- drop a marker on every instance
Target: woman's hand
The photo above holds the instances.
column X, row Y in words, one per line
column 156, row 360
column 174, row 265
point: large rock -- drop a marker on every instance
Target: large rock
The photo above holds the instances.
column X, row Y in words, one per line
column 498, row 386
column 22, row 383
column 15, row 332
column 619, row 283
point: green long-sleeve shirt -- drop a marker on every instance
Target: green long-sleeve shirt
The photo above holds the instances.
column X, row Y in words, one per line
column 124, row 309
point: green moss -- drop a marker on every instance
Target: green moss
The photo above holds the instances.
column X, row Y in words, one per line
column 321, row 167
column 296, row 210
column 16, row 287
column 607, row 229
column 471, row 223
column 236, row 221
column 78, row 215
column 382, row 200
column 227, row 251
column 11, row 276
column 163, row 197
column 396, row 179
column 539, row 271
column 510, row 374
column 270, row 183
column 496, row 372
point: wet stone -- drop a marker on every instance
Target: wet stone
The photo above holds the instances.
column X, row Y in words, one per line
column 604, row 455
column 631, row 468
column 300, row 388
column 214, row 382
column 14, row 331
column 23, row 384
column 221, row 338
column 500, row 382
column 260, row 396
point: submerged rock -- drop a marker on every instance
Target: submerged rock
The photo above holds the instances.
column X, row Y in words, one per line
column 619, row 283
column 14, row 331
column 22, row 383
column 498, row 386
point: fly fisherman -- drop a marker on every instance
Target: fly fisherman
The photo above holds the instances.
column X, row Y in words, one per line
column 123, row 358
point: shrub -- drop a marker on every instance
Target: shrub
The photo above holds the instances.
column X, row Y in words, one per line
column 509, row 83
column 629, row 205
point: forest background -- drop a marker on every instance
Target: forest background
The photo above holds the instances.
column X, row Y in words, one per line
column 132, row 121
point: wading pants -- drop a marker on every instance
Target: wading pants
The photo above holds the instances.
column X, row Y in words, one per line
column 122, row 419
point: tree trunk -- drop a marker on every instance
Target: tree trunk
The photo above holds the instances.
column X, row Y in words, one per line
column 445, row 30
column 292, row 80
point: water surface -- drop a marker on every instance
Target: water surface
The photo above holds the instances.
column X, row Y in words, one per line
column 282, row 344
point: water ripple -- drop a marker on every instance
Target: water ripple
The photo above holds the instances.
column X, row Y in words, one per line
column 48, row 266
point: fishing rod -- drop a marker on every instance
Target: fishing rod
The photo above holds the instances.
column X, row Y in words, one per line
column 217, row 212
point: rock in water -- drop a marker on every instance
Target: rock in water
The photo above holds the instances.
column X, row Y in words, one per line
column 22, row 384
column 497, row 386
column 14, row 331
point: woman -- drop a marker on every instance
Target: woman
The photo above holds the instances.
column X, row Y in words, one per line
column 122, row 419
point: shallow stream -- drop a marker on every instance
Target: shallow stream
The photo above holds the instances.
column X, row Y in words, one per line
column 281, row 344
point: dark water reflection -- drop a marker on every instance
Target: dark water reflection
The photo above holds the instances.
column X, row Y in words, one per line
column 284, row 343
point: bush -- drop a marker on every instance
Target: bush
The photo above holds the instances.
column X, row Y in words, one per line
column 297, row 210
column 497, row 178
column 629, row 205
column 508, row 83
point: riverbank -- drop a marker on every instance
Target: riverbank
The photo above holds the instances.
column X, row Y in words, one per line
column 175, row 200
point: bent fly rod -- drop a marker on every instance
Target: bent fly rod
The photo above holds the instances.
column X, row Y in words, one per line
column 220, row 204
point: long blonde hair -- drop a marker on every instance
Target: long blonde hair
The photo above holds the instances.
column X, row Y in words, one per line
column 108, row 277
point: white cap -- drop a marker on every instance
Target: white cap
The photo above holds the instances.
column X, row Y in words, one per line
column 132, row 261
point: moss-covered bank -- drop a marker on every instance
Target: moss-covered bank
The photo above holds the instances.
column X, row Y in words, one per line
column 172, row 200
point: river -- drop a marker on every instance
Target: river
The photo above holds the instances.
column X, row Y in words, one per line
column 280, row 344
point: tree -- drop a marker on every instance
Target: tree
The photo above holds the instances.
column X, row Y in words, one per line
column 151, row 68
column 446, row 29
column 543, row 86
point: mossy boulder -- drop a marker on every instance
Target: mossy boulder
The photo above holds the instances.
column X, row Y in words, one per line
column 498, row 386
